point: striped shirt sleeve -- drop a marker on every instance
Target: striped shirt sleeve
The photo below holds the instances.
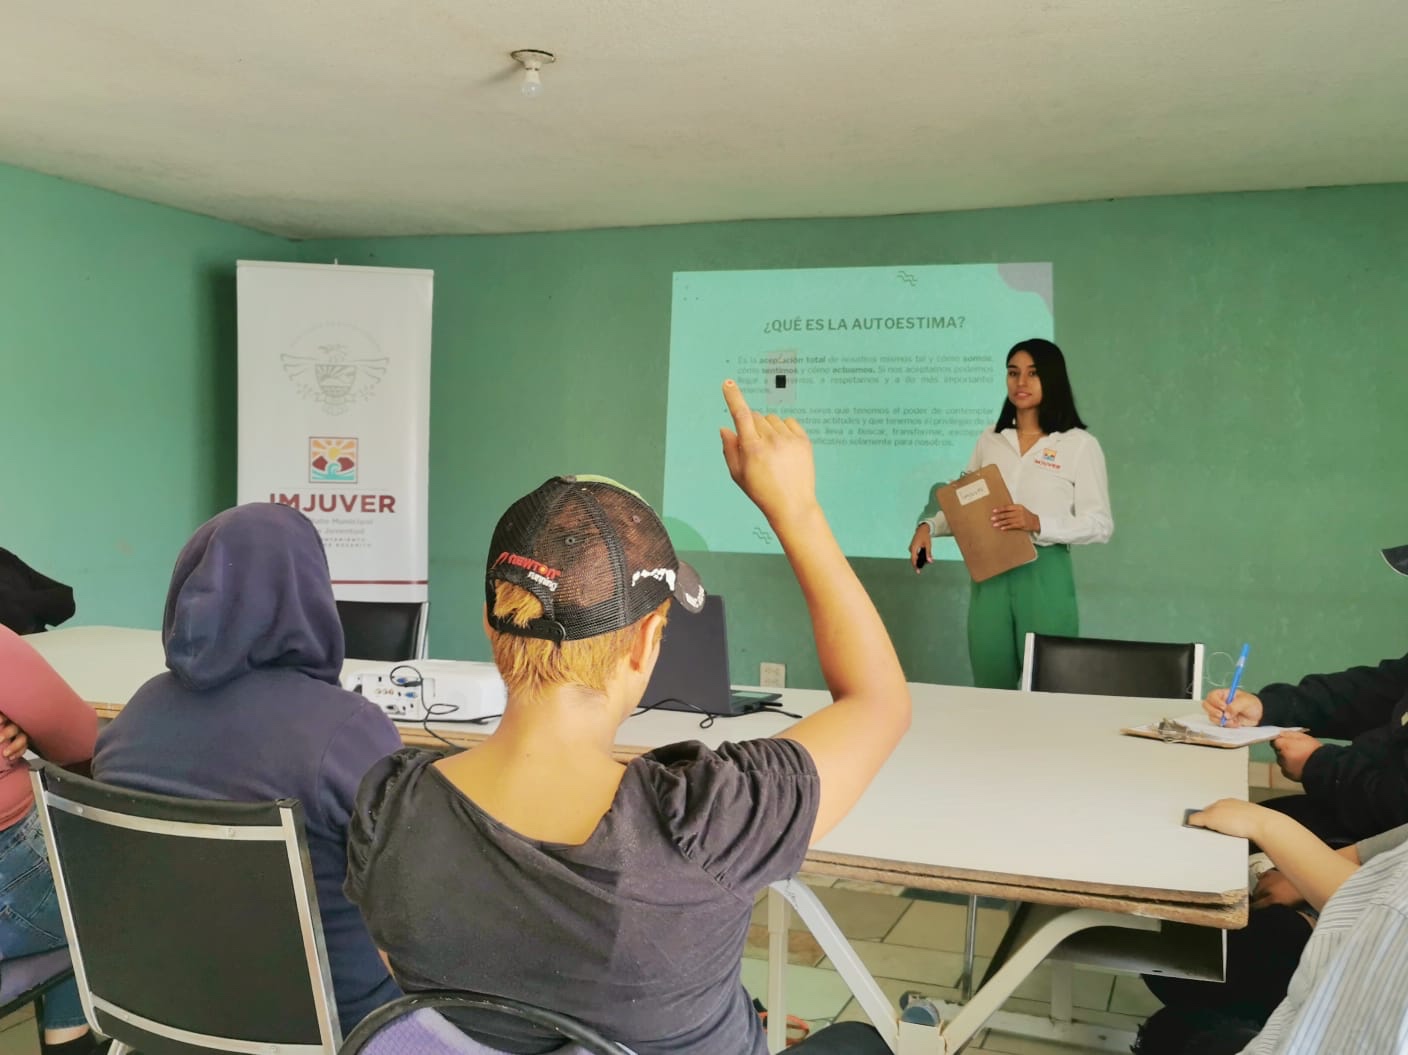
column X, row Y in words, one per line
column 1350, row 992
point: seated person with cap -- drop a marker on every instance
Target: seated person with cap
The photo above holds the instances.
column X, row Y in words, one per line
column 1354, row 791
column 537, row 867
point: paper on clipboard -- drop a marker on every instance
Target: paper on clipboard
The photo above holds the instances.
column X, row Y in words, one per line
column 1197, row 729
column 967, row 505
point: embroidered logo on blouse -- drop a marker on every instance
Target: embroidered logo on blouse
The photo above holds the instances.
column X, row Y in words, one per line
column 1048, row 458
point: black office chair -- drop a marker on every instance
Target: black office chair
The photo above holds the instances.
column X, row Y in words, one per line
column 386, row 631
column 1101, row 667
column 413, row 1025
column 193, row 925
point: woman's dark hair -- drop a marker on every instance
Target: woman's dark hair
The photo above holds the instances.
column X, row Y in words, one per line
column 1057, row 410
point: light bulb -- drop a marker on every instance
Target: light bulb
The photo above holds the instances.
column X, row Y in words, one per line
column 532, row 60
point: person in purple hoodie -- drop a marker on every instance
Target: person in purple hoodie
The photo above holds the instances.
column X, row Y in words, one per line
column 251, row 710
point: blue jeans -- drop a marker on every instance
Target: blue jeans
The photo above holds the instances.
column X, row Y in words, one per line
column 29, row 913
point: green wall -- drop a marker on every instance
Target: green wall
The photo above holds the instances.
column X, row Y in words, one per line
column 117, row 367
column 1239, row 356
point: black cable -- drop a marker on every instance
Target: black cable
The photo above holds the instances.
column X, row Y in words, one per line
column 776, row 707
column 430, row 710
column 427, row 709
column 709, row 716
column 708, row 720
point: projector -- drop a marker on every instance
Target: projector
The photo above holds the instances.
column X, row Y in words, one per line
column 438, row 690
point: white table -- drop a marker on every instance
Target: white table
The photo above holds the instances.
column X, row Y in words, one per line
column 1030, row 797
column 106, row 665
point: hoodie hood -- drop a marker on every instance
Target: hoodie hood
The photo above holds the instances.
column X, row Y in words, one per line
column 251, row 591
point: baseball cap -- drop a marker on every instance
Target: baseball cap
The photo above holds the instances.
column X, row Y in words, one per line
column 593, row 552
column 1397, row 557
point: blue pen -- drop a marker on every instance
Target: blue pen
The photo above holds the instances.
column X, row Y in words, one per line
column 1236, row 679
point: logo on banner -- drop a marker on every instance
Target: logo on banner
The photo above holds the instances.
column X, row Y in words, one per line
column 332, row 460
column 335, row 365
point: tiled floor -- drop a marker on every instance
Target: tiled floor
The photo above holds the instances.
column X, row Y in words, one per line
column 918, row 944
column 17, row 1034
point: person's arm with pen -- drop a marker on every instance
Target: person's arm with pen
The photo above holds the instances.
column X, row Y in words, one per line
column 1236, row 680
column 1293, row 747
column 1341, row 706
column 1227, row 707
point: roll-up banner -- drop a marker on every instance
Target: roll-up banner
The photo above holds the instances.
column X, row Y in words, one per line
column 334, row 413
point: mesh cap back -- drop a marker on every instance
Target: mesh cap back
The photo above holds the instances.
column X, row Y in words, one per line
column 593, row 553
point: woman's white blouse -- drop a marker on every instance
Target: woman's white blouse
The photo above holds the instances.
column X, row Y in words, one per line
column 1061, row 479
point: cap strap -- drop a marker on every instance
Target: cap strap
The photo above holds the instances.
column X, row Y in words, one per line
column 542, row 629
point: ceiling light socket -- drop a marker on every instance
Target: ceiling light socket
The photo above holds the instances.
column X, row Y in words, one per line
column 532, row 60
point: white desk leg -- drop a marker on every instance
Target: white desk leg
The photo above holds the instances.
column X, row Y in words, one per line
column 916, row 1039
column 1063, row 995
column 1046, row 928
column 907, row 1038
column 777, row 971
column 970, row 949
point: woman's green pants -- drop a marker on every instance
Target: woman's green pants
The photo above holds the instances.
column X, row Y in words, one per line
column 1038, row 598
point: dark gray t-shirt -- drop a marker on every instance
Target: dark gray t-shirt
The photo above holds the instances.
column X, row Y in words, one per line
column 638, row 931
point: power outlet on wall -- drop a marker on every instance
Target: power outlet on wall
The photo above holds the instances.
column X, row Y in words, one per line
column 772, row 675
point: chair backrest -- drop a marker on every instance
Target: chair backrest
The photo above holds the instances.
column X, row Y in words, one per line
column 413, row 1025
column 1101, row 667
column 385, row 631
column 193, row 924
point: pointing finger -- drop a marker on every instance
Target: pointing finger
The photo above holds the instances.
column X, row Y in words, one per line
column 743, row 417
column 730, row 441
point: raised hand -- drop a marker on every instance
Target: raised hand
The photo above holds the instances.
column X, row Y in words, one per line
column 769, row 459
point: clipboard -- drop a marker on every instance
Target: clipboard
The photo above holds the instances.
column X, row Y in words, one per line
column 967, row 505
column 1195, row 729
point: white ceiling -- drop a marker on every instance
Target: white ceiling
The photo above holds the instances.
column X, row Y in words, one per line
column 376, row 117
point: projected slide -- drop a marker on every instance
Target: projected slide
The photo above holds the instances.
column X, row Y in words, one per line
column 894, row 371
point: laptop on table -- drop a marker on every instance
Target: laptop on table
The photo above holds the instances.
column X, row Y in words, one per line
column 692, row 671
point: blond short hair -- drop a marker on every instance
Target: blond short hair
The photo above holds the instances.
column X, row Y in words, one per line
column 529, row 665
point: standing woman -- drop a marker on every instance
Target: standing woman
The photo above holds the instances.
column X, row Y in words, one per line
column 1055, row 472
